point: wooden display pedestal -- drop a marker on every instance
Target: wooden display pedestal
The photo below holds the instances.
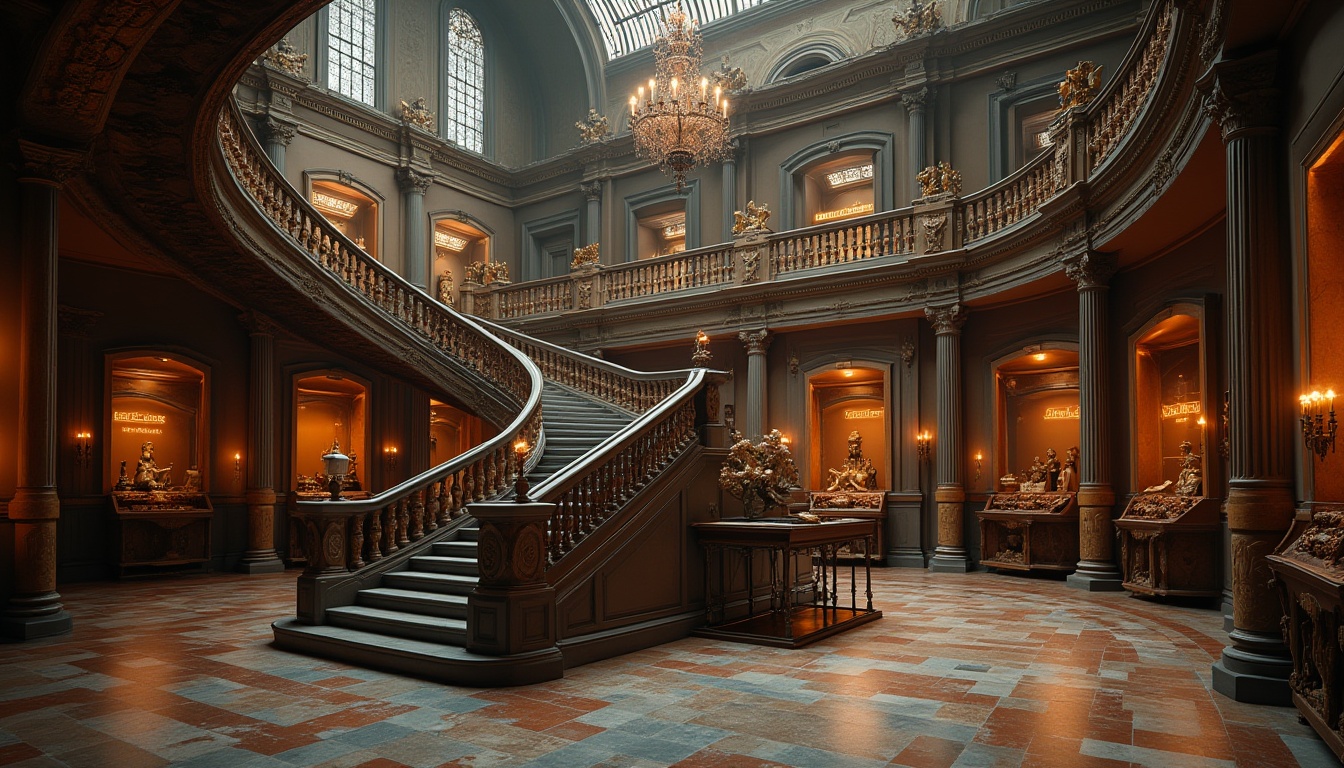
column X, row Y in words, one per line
column 1169, row 545
column 1029, row 532
column 1309, row 577
column 161, row 532
column 853, row 505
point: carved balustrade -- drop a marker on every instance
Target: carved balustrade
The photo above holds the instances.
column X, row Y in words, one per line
column 537, row 297
column 883, row 234
column 1117, row 108
column 1015, row 198
column 700, row 268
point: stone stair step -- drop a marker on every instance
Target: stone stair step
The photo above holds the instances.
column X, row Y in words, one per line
column 454, row 549
column 429, row 629
column 414, row 601
column 465, row 566
column 440, row 583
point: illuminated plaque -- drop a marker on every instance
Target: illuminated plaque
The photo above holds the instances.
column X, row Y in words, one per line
column 856, row 209
column 1180, row 409
column 674, row 230
column 1043, row 140
column 136, row 417
column 1062, row 412
column 866, row 413
column 850, row 175
column 449, row 241
column 334, row 205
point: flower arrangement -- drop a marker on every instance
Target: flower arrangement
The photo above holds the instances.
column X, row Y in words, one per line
column 759, row 474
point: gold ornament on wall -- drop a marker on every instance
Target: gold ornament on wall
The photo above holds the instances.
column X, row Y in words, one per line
column 586, row 256
column 753, row 220
column 918, row 19
column 593, row 128
column 1080, row 84
column 418, row 114
column 286, row 58
column 728, row 79
column 940, row 179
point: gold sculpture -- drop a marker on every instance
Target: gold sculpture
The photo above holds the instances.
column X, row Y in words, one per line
column 701, row 356
column 1068, row 475
column 286, row 58
column 487, row 272
column 761, row 475
column 588, row 254
column 1191, row 479
column 593, row 128
column 727, row 78
column 939, row 179
column 148, row 476
column 857, row 473
column 446, row 287
column 418, row 113
column 753, row 220
column 918, row 19
column 1079, row 86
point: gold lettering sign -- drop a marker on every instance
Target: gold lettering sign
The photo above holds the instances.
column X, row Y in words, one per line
column 1180, row 409
column 142, row 430
column 136, row 417
column 843, row 213
column 1062, row 412
column 868, row 413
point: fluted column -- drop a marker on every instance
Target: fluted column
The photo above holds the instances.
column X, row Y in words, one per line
column 1096, row 571
column 34, row 609
column 729, row 190
column 275, row 136
column 949, row 494
column 260, row 556
column 592, row 197
column 413, row 185
column 915, row 103
column 1242, row 97
column 753, row 414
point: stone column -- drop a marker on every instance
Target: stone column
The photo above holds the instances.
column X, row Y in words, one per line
column 592, row 198
column 413, row 186
column 34, row 609
column 729, row 191
column 1242, row 97
column 916, row 103
column 1096, row 498
column 950, row 494
column 275, row 136
column 753, row 415
column 260, row 556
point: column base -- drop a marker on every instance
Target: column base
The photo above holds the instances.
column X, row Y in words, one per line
column 1253, row 678
column 21, row 628
column 912, row 559
column 261, row 562
column 950, row 560
column 1228, row 624
column 1096, row 577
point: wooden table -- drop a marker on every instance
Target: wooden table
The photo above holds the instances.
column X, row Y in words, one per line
column 788, row 623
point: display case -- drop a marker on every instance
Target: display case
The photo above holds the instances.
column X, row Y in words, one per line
column 350, row 210
column 1309, row 578
column 1037, row 424
column 1169, row 545
column 457, row 244
column 853, row 505
column 156, row 404
column 159, row 532
column 839, row 189
column 1029, row 531
column 1171, row 406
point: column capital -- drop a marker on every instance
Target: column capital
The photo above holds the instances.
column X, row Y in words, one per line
column 258, row 324
column 592, row 190
column 756, row 342
column 916, row 99
column 71, row 321
column 947, row 319
column 43, row 164
column 1090, row 269
column 1242, row 95
column 413, row 182
column 273, row 131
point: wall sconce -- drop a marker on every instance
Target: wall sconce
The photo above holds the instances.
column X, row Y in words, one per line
column 979, row 462
column 924, row 445
column 83, row 447
column 237, row 466
column 1317, row 433
column 701, row 356
column 520, row 449
column 390, row 457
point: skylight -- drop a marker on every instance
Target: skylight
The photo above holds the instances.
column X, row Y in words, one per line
column 628, row 25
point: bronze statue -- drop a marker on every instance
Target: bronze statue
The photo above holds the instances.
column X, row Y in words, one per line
column 1190, row 481
column 148, row 476
column 446, row 287
column 1068, row 475
column 1052, row 469
column 857, row 473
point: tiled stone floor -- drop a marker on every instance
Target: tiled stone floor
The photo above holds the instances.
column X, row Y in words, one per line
column 963, row 670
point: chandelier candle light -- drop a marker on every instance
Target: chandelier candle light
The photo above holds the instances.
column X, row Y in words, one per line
column 679, row 122
column 1317, row 432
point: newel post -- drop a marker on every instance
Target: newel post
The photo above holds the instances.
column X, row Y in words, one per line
column 512, row 608
column 326, row 544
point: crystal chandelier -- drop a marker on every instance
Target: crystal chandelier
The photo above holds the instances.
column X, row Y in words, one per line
column 678, row 122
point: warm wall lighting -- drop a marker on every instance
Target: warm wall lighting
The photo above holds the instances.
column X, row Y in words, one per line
column 1317, row 432
column 520, row 449
column 979, row 462
column 701, row 356
column 237, row 465
column 1039, row 357
column 849, row 373
column 390, row 457
column 83, row 447
column 924, row 445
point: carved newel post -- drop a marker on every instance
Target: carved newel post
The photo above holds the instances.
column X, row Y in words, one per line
column 950, row 494
column 414, row 184
column 1243, row 97
column 511, row 611
column 34, row 609
column 753, row 415
column 1096, row 498
column 260, row 556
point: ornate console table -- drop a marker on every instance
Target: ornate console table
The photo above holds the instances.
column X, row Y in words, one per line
column 858, row 505
column 788, row 546
column 1309, row 577
column 162, row 531
column 1029, row 531
column 1169, row 545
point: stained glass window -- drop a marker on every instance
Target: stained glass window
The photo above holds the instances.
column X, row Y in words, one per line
column 351, row 49
column 464, row 107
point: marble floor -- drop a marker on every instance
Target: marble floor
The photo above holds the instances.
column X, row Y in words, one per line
column 962, row 670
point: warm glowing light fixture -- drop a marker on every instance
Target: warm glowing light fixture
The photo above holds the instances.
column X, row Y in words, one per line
column 449, row 241
column 1317, row 432
column 1038, row 357
column 334, row 206
column 851, row 175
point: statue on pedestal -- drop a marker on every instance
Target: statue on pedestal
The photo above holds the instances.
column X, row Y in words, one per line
column 148, row 476
column 857, row 473
column 1190, row 482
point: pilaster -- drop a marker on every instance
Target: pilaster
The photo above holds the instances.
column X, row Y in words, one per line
column 413, row 185
column 261, row 556
column 753, row 415
column 592, row 198
column 950, row 493
column 275, row 136
column 916, row 103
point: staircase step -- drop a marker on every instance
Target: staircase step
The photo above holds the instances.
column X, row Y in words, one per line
column 413, row 601
column 454, row 549
column 465, row 566
column 468, row 534
column 429, row 629
column 439, row 583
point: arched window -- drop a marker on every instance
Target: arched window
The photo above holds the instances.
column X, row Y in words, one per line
column 464, row 77
column 352, row 34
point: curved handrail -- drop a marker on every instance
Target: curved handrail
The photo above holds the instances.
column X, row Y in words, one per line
column 349, row 535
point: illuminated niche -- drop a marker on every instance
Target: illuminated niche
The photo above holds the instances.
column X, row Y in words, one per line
column 455, row 245
column 453, row 431
column 660, row 229
column 1038, row 409
column 159, row 399
column 839, row 189
column 844, row 400
column 354, row 213
column 329, row 406
column 1171, row 406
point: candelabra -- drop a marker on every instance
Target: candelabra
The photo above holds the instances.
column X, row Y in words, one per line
column 237, row 466
column 390, row 457
column 1317, row 432
column 520, row 449
column 924, row 445
column 83, row 447
column 979, row 462
column 701, row 356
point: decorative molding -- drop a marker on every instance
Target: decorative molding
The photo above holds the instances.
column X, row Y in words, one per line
column 272, row 131
column 917, row 99
column 50, row 165
column 947, row 319
column 1241, row 94
column 756, row 342
column 411, row 181
column 1091, row 269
